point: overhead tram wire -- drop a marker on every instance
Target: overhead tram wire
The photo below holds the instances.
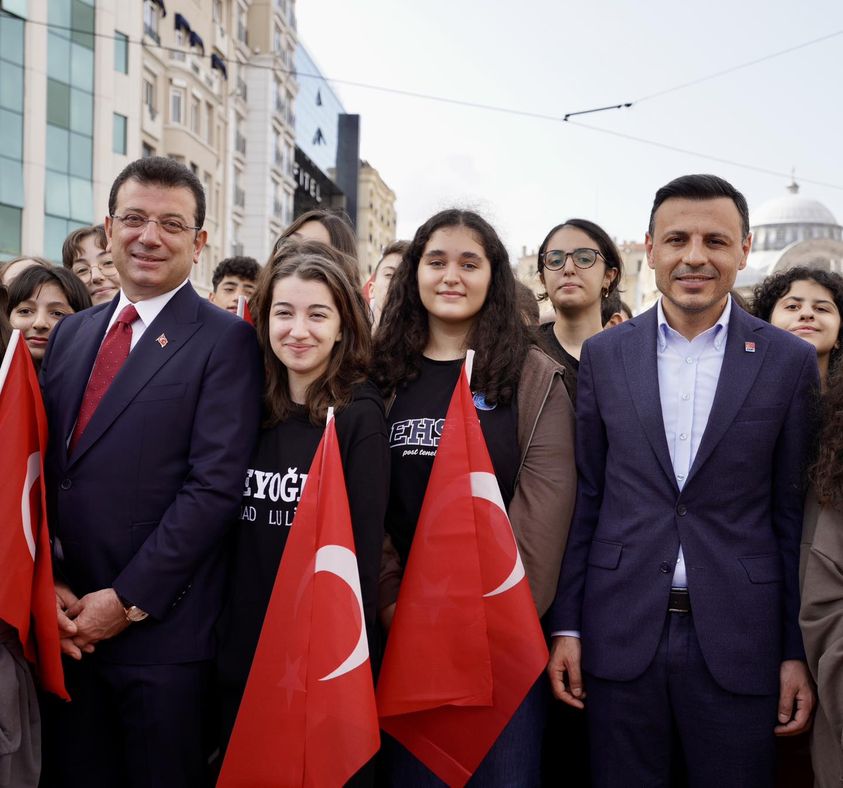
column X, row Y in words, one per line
column 565, row 118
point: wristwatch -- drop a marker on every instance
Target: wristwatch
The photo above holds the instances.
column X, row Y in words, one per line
column 132, row 612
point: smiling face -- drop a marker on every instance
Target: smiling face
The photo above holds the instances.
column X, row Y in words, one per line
column 573, row 289
column 150, row 260
column 37, row 316
column 304, row 327
column 696, row 250
column 94, row 266
column 808, row 310
column 453, row 277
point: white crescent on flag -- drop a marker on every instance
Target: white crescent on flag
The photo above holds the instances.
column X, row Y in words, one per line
column 33, row 471
column 485, row 486
column 340, row 561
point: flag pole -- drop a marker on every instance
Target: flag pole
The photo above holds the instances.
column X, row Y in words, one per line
column 7, row 359
column 469, row 365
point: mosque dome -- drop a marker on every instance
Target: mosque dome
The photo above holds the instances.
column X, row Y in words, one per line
column 784, row 220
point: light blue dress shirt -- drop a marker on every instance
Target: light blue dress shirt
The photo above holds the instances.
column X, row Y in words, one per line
column 688, row 375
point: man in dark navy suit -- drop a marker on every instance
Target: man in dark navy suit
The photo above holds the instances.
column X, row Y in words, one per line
column 153, row 403
column 676, row 617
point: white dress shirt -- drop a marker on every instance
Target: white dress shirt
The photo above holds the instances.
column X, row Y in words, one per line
column 148, row 310
column 688, row 375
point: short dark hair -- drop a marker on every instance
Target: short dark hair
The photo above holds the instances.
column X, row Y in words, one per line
column 73, row 243
column 776, row 286
column 162, row 171
column 28, row 281
column 243, row 267
column 396, row 247
column 609, row 306
column 605, row 245
column 700, row 187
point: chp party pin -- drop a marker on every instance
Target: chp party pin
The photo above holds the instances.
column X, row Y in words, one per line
column 163, row 341
column 749, row 347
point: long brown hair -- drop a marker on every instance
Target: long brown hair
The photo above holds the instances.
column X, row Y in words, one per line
column 827, row 471
column 498, row 335
column 314, row 261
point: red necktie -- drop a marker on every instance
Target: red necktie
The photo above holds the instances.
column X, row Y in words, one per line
column 113, row 352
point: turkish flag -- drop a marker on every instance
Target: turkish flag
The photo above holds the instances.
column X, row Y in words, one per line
column 243, row 310
column 465, row 645
column 27, row 594
column 308, row 715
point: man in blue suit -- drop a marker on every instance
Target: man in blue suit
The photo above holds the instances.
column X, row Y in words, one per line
column 149, row 442
column 677, row 606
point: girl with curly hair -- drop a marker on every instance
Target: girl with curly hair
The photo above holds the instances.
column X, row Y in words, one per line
column 455, row 290
column 315, row 336
column 807, row 302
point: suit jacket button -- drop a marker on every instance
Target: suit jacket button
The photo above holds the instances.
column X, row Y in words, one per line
column 66, row 484
column 664, row 567
column 681, row 510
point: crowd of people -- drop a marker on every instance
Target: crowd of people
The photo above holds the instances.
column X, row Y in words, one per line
column 674, row 481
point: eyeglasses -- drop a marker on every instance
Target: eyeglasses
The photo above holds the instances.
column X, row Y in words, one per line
column 134, row 221
column 583, row 258
column 84, row 272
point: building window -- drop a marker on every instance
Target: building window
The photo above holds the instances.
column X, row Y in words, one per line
column 149, row 97
column 195, row 114
column 242, row 33
column 218, row 11
column 147, row 150
column 209, row 123
column 121, row 52
column 150, row 20
column 177, row 53
column 118, row 144
column 277, row 42
column 176, row 105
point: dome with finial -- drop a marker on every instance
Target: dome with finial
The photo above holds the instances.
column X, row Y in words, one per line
column 789, row 218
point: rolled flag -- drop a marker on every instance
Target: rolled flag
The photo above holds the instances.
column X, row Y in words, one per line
column 465, row 645
column 243, row 309
column 308, row 714
column 27, row 593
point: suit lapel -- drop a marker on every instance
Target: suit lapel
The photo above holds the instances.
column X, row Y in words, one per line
column 177, row 321
column 738, row 373
column 641, row 364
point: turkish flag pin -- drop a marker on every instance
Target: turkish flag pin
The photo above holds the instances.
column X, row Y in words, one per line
column 162, row 340
column 749, row 347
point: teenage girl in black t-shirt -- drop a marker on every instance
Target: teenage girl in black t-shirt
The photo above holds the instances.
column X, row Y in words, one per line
column 579, row 265
column 455, row 290
column 313, row 327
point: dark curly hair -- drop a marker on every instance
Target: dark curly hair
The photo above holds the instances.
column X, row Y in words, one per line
column 605, row 245
column 827, row 471
column 776, row 286
column 314, row 261
column 498, row 335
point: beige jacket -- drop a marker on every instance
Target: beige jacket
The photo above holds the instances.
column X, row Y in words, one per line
column 821, row 619
column 545, row 485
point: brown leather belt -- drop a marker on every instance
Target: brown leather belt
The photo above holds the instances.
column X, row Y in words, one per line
column 679, row 601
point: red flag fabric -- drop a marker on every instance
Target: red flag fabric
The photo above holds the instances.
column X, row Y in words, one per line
column 465, row 645
column 308, row 715
column 27, row 594
column 243, row 310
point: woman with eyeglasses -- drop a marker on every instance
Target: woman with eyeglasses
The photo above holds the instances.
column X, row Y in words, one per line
column 579, row 265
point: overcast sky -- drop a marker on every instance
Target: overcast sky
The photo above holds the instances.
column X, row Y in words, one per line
column 527, row 174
